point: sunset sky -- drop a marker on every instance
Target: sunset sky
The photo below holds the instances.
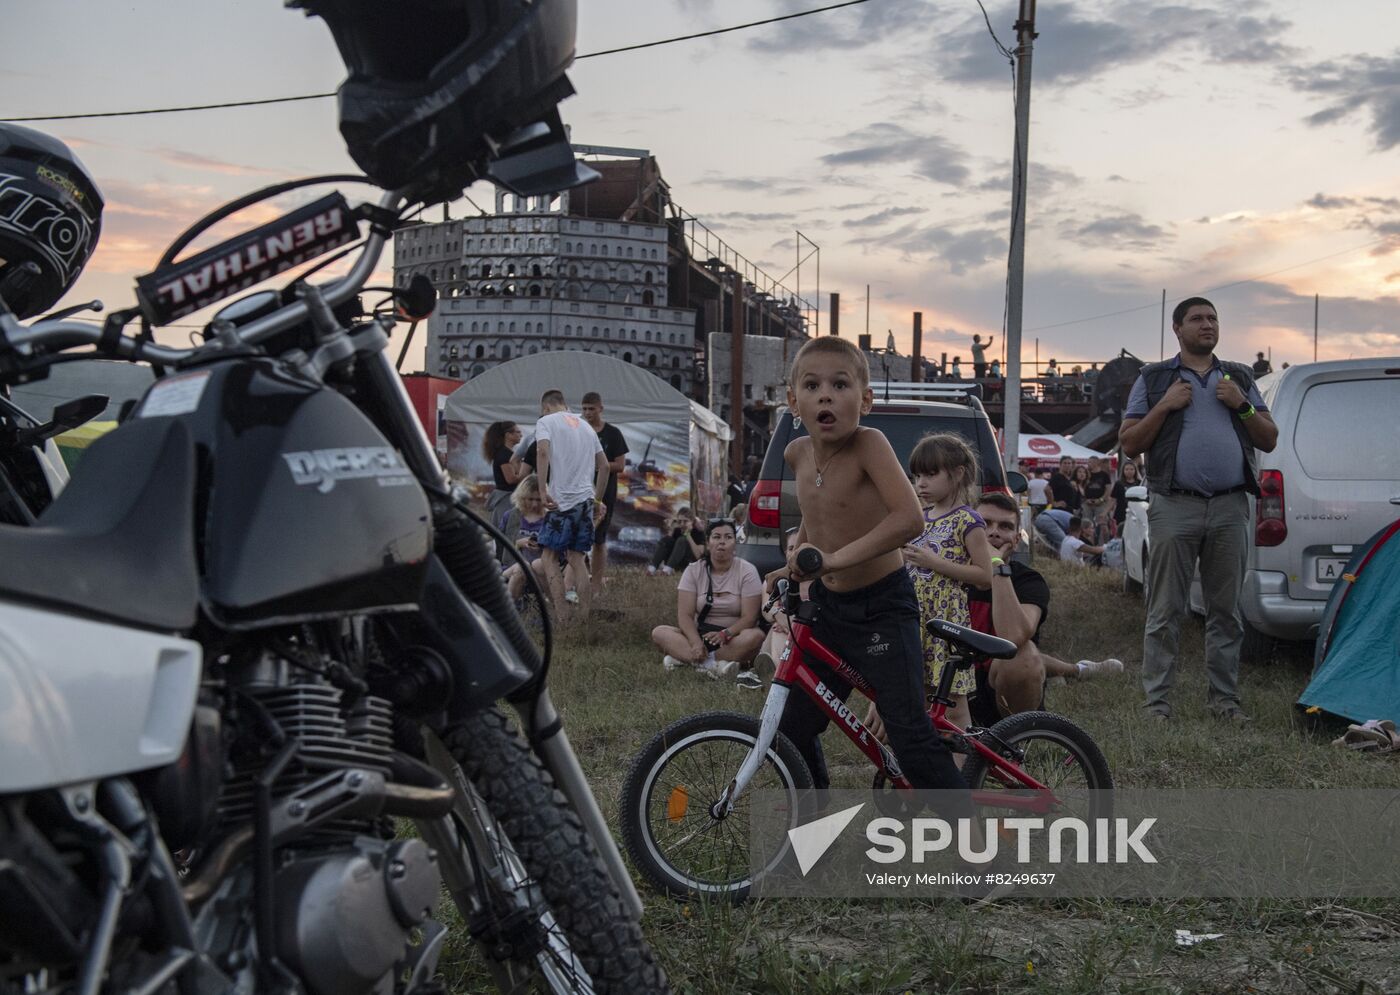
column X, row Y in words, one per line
column 1181, row 145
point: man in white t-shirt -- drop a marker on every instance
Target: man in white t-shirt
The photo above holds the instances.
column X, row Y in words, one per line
column 1075, row 548
column 1038, row 491
column 573, row 471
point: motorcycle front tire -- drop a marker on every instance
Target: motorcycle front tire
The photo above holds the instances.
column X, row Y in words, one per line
column 560, row 859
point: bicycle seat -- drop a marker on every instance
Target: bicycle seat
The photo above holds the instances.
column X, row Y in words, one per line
column 979, row 643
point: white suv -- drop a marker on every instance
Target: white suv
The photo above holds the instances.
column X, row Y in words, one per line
column 1332, row 481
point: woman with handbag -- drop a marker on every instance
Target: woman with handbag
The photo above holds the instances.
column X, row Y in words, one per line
column 717, row 605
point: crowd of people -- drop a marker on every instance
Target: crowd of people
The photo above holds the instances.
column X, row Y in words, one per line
column 554, row 496
column 958, row 566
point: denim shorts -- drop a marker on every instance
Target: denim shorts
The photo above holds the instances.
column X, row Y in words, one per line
column 569, row 530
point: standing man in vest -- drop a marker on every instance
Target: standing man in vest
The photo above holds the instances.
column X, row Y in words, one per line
column 1199, row 420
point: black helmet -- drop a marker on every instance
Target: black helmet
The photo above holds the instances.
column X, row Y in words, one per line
column 439, row 88
column 50, row 215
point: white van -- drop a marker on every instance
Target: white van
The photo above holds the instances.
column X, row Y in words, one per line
column 1331, row 482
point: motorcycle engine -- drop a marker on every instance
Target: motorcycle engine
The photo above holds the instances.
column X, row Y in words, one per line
column 348, row 895
column 344, row 918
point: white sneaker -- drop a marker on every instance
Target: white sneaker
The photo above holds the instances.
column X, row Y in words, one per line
column 651, row 570
column 671, row 663
column 1096, row 668
column 715, row 669
column 667, row 570
column 749, row 679
column 571, row 597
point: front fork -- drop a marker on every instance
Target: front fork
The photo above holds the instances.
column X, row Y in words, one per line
column 767, row 732
column 538, row 716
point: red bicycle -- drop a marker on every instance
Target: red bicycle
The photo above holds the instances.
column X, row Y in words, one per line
column 684, row 816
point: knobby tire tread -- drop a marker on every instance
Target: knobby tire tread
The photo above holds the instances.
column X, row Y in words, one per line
column 557, row 853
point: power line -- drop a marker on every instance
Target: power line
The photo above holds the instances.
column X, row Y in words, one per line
column 722, row 31
column 172, row 110
column 322, row 96
column 1223, row 286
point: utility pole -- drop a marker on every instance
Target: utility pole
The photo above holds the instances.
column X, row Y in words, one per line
column 736, row 376
column 835, row 313
column 1316, row 299
column 916, row 361
column 1162, row 329
column 1016, row 275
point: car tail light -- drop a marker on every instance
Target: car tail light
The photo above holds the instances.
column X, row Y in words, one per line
column 763, row 504
column 1270, row 528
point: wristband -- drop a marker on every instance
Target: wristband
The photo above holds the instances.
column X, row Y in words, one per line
column 724, row 634
column 997, row 561
column 1247, row 413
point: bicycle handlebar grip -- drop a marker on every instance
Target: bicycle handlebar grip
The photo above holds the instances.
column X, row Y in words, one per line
column 809, row 561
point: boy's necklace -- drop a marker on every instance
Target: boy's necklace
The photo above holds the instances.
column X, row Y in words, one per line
column 823, row 469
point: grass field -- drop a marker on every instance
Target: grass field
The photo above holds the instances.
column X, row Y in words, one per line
column 614, row 695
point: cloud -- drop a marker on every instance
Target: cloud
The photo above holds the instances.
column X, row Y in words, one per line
column 193, row 160
column 850, row 29
column 772, row 186
column 1325, row 203
column 880, row 217
column 1043, row 179
column 1359, row 83
column 1120, row 231
column 1086, row 46
column 751, row 217
column 960, row 250
column 932, row 157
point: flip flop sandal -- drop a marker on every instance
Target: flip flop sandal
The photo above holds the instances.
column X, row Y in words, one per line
column 1362, row 738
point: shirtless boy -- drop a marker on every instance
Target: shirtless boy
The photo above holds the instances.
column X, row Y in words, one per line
column 858, row 510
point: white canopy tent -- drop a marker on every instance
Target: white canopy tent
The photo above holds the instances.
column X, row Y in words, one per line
column 677, row 449
column 1045, row 452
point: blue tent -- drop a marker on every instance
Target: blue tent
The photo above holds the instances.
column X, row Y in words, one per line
column 1356, row 670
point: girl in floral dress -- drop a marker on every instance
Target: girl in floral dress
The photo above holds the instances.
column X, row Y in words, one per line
column 951, row 552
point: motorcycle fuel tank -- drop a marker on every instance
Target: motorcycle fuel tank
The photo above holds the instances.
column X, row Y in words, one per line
column 306, row 510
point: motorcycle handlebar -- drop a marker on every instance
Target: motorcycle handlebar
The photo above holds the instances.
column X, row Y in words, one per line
column 59, row 335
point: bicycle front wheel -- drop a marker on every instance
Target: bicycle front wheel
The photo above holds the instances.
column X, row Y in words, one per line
column 668, row 825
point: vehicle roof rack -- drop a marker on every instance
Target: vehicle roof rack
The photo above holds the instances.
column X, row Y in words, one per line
column 907, row 390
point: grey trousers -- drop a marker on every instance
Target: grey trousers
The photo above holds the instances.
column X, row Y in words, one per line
column 1183, row 530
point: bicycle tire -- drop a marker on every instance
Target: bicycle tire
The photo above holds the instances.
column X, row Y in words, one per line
column 727, row 864
column 539, row 826
column 1028, row 727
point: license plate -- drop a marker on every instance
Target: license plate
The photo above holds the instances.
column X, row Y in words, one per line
column 1330, row 568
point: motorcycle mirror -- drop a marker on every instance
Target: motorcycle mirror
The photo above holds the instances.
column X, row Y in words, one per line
column 66, row 416
column 418, row 299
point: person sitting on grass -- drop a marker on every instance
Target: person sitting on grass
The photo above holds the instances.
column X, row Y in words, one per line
column 521, row 525
column 1076, row 546
column 682, row 546
column 717, row 605
column 1015, row 608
